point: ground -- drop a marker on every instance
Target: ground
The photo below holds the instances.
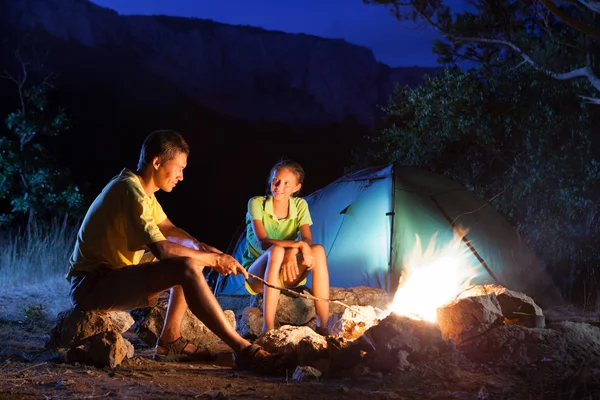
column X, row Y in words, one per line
column 511, row 366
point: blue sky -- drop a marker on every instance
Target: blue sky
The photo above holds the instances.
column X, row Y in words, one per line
column 366, row 25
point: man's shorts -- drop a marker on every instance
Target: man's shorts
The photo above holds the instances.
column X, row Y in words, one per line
column 106, row 289
column 253, row 293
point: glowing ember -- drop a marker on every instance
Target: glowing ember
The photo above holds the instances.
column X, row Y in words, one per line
column 433, row 278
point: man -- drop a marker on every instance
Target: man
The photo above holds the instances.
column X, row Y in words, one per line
column 124, row 221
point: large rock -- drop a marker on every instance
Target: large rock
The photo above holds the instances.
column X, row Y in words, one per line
column 510, row 301
column 92, row 337
column 469, row 317
column 291, row 310
column 73, row 326
column 150, row 321
column 358, row 296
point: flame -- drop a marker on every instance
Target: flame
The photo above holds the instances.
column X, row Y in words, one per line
column 433, row 278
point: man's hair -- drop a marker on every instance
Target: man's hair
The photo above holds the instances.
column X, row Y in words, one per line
column 164, row 144
column 293, row 166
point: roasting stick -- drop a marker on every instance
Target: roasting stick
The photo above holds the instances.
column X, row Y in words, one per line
column 304, row 295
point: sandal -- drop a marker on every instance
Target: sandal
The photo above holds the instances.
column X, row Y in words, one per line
column 322, row 330
column 176, row 351
column 256, row 359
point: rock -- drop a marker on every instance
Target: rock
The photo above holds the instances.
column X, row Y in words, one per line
column 106, row 349
column 510, row 301
column 306, row 373
column 469, row 317
column 249, row 323
column 150, row 321
column 352, row 323
column 73, row 327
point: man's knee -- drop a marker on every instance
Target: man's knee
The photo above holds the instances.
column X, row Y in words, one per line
column 189, row 268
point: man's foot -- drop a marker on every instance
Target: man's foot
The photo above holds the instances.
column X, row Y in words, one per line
column 180, row 350
column 256, row 359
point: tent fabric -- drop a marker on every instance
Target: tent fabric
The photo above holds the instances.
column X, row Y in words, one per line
column 368, row 222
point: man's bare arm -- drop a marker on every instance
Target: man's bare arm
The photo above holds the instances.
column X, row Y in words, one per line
column 180, row 244
column 177, row 235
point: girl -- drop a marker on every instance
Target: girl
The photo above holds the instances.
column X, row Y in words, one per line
column 279, row 244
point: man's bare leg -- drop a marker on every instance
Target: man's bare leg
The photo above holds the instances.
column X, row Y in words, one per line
column 173, row 319
column 182, row 272
column 174, row 316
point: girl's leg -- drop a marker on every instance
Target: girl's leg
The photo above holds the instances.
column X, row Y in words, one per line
column 268, row 265
column 320, row 283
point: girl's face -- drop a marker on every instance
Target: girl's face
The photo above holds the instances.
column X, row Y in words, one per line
column 284, row 183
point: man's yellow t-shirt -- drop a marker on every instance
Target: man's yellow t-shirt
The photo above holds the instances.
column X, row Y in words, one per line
column 121, row 221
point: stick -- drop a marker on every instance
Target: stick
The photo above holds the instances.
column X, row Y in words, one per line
column 304, row 295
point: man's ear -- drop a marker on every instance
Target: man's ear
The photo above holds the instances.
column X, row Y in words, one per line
column 156, row 162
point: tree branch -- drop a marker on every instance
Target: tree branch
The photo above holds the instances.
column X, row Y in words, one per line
column 583, row 72
column 593, row 5
column 572, row 22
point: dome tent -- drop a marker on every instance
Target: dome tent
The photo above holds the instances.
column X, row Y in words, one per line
column 368, row 222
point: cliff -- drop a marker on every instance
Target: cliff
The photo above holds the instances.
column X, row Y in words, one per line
column 239, row 71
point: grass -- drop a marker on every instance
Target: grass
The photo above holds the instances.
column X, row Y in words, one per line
column 33, row 264
column 37, row 253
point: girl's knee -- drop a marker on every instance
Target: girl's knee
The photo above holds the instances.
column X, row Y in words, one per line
column 318, row 249
column 276, row 252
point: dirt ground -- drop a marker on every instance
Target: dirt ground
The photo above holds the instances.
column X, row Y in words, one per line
column 561, row 361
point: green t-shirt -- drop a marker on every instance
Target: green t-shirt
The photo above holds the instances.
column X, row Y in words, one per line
column 261, row 208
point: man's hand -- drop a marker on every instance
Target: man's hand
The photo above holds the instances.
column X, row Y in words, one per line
column 289, row 266
column 226, row 265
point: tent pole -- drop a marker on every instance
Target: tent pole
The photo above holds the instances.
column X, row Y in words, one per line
column 392, row 214
column 465, row 240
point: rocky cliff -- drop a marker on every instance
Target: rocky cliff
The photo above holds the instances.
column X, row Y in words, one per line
column 243, row 72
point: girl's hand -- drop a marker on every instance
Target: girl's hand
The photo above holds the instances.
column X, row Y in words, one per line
column 289, row 266
column 308, row 257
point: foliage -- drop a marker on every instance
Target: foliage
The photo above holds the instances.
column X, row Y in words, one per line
column 562, row 42
column 31, row 184
column 33, row 315
column 515, row 137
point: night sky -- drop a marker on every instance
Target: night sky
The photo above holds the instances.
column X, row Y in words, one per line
column 371, row 26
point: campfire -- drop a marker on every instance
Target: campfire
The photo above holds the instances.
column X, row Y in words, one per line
column 433, row 277
column 435, row 309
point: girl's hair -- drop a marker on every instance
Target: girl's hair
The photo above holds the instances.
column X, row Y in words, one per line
column 292, row 166
column 164, row 144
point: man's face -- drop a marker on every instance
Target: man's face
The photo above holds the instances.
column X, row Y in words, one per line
column 169, row 173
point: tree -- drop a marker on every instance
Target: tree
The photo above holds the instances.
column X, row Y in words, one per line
column 519, row 140
column 31, row 184
column 559, row 39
